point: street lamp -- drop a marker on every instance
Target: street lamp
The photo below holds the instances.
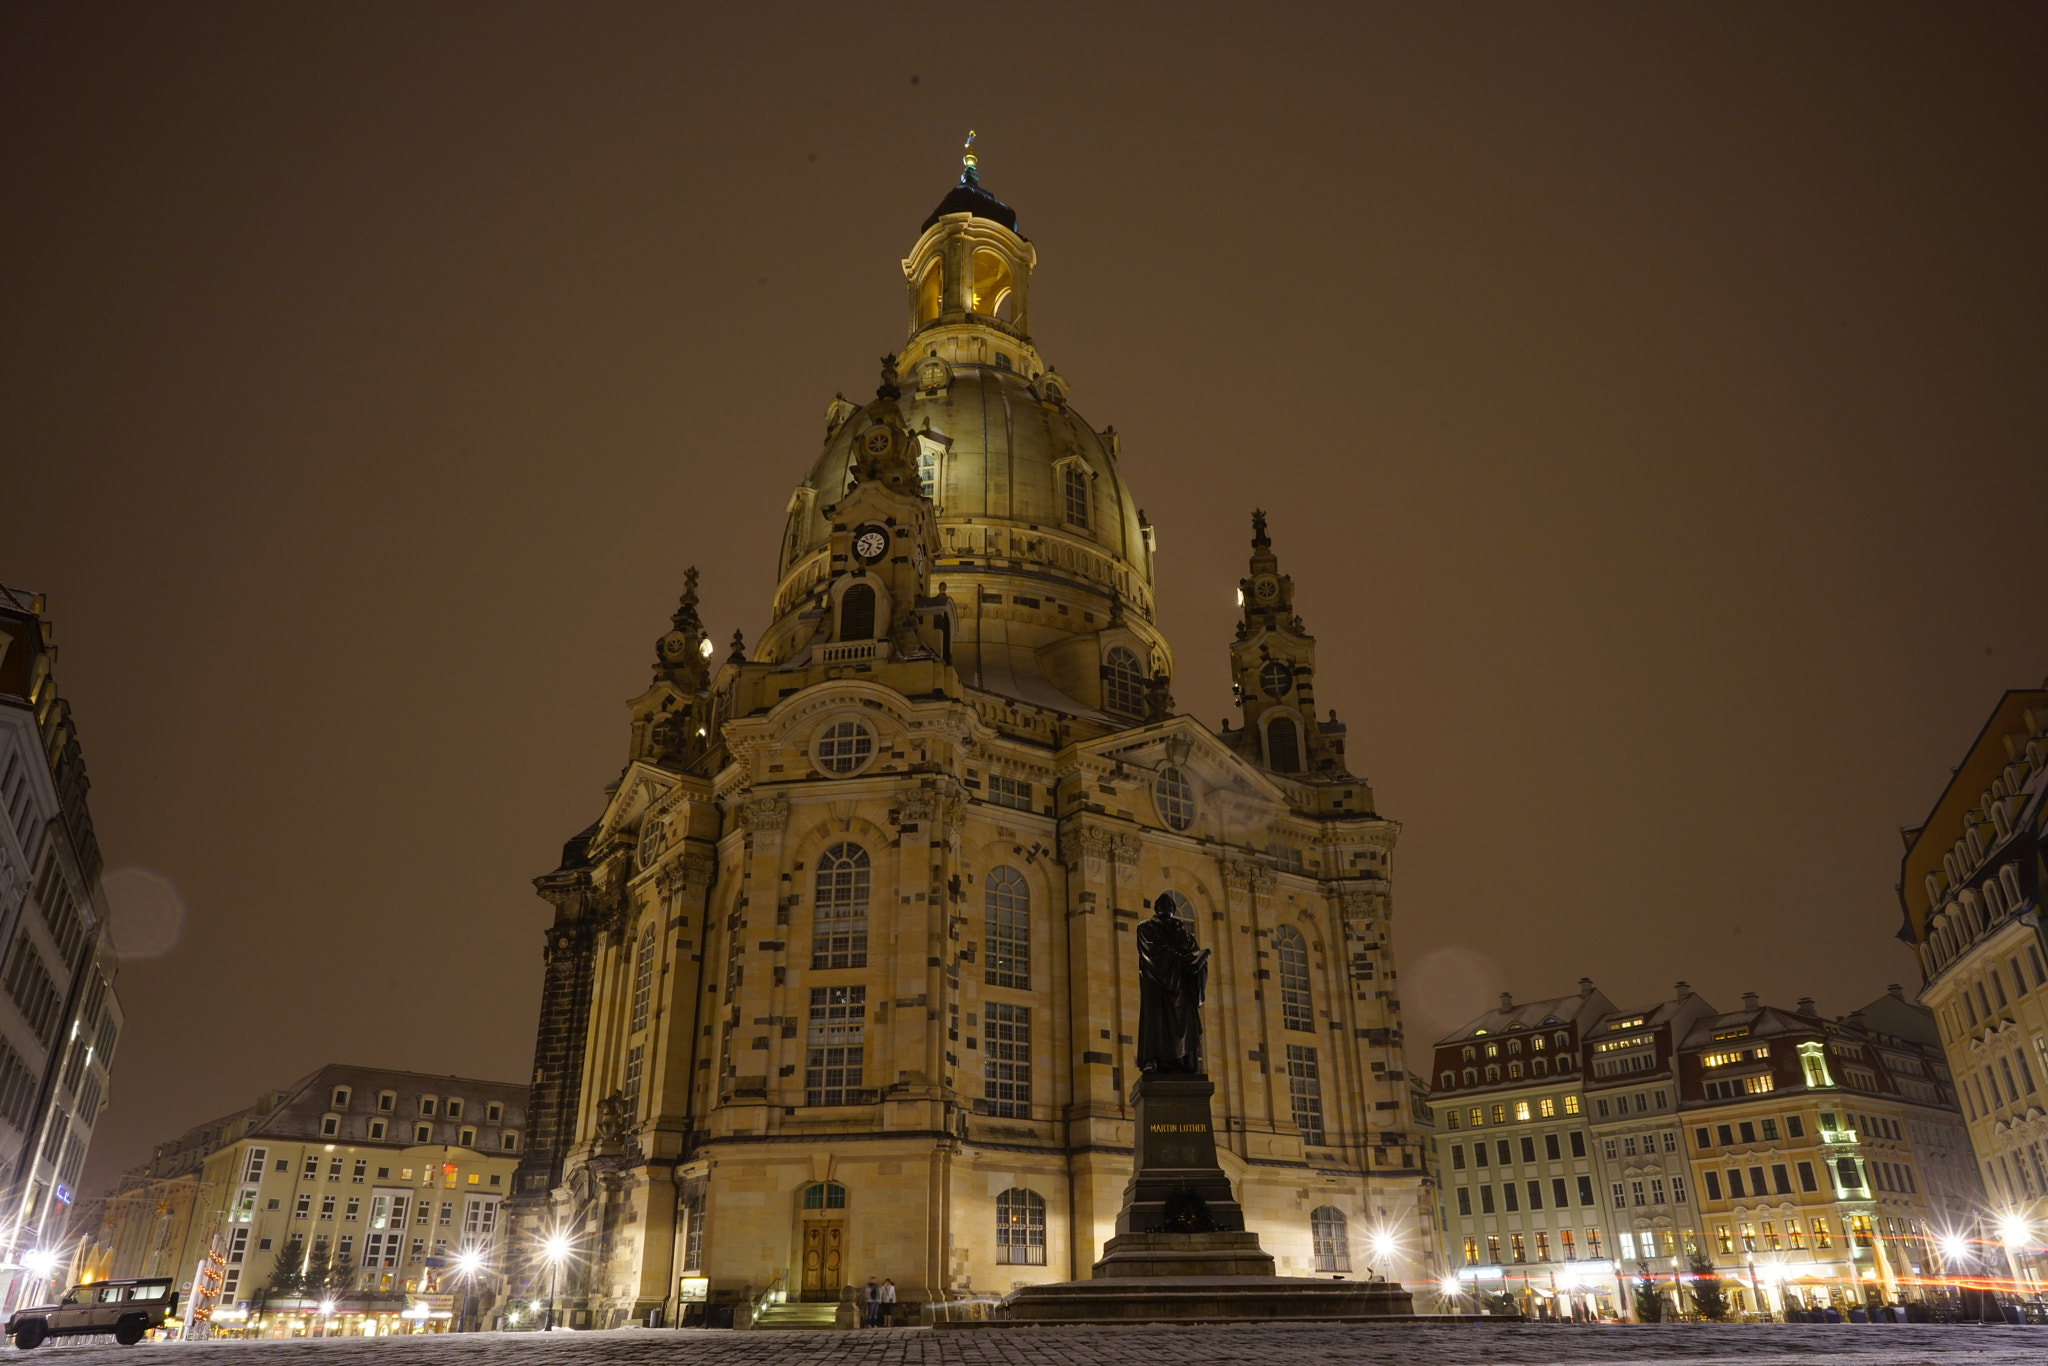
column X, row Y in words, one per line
column 555, row 1248
column 2015, row 1233
column 41, row 1263
column 467, row 1264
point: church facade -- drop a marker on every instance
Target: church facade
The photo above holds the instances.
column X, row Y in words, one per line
column 842, row 980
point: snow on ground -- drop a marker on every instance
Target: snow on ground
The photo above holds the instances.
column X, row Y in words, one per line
column 1474, row 1344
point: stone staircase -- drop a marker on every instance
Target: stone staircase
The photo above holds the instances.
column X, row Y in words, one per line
column 797, row 1315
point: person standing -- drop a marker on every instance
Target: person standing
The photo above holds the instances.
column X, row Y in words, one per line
column 888, row 1309
column 871, row 1311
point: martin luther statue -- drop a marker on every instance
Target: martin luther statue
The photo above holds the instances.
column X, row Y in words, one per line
column 1172, row 977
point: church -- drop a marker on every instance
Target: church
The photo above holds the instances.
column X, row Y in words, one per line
column 842, row 983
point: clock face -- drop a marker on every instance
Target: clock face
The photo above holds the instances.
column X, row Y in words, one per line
column 1265, row 588
column 870, row 543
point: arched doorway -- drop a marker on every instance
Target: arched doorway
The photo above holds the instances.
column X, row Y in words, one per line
column 822, row 1231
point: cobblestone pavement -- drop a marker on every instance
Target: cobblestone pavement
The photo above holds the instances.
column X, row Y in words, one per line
column 1280, row 1344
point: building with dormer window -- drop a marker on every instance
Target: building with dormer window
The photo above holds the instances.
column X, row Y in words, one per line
column 1970, row 894
column 1828, row 1156
column 841, row 979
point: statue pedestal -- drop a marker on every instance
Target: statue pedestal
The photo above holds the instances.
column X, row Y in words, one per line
column 1179, row 1216
column 1181, row 1249
column 1174, row 1158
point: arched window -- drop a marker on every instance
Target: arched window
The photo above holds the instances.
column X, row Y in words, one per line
column 1276, row 679
column 1469, row 1055
column 1333, row 1247
column 643, row 978
column 1564, row 1040
column 839, row 930
column 928, row 292
column 927, row 471
column 1296, row 1011
column 1175, row 797
column 1514, row 1071
column 1020, row 1228
column 993, row 285
column 1123, row 682
column 1074, row 488
column 1493, row 1073
column 1514, row 1046
column 1450, row 1080
column 1539, row 1068
column 1006, row 902
column 1183, row 910
column 857, row 613
column 1283, row 745
column 1471, row 1076
column 825, row 1195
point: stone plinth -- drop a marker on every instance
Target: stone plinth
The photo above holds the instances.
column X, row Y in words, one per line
column 1180, row 1299
column 1184, row 1254
column 1174, row 1155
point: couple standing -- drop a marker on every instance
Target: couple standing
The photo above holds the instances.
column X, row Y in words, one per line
column 880, row 1303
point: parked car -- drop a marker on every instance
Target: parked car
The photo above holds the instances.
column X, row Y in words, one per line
column 127, row 1309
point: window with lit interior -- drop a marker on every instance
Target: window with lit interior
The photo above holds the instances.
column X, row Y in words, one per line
column 1020, row 1228
column 1332, row 1244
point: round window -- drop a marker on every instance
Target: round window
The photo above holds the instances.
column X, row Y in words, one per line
column 1276, row 678
column 845, row 747
column 1175, row 797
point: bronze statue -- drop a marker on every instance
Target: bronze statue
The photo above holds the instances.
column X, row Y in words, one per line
column 1173, row 975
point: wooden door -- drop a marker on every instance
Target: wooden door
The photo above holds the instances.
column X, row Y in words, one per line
column 823, row 1245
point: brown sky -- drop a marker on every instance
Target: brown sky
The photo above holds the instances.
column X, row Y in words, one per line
column 1648, row 401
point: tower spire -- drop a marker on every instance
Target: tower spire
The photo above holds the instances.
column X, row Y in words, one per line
column 1273, row 664
column 970, row 168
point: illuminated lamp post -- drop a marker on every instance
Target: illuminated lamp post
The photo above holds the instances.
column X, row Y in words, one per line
column 556, row 1250
column 467, row 1265
column 1453, row 1292
column 40, row 1264
column 2014, row 1233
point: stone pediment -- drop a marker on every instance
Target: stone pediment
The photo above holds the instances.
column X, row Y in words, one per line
column 643, row 787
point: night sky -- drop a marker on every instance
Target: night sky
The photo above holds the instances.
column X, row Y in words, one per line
column 1648, row 402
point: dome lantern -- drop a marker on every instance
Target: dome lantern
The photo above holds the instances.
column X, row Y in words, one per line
column 969, row 279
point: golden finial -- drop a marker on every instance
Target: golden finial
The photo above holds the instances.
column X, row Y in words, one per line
column 967, row 156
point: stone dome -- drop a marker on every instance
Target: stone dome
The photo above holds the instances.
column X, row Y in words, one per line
column 1040, row 543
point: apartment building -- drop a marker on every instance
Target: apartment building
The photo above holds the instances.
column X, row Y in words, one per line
column 384, row 1176
column 60, row 1019
column 1521, row 1209
column 1970, row 891
column 1630, row 1072
column 1827, row 1155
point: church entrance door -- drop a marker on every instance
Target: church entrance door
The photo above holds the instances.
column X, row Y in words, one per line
column 823, row 1248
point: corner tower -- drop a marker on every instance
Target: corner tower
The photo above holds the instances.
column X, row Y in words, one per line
column 1273, row 677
